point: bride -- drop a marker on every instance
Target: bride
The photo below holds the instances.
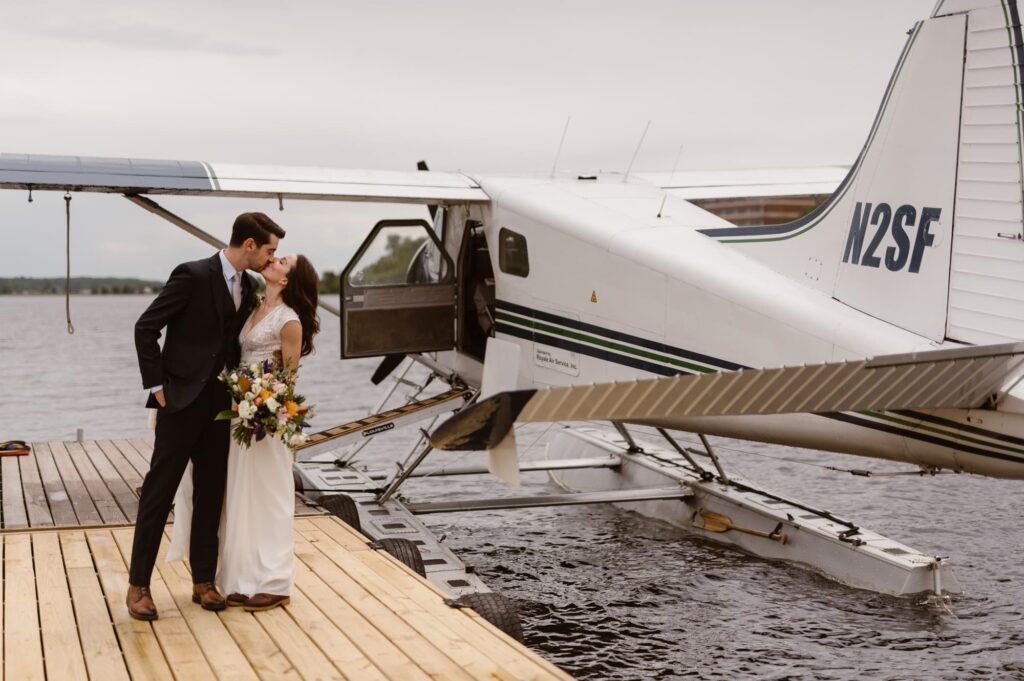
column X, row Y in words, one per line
column 255, row 567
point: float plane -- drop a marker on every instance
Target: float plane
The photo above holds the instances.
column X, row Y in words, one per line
column 888, row 322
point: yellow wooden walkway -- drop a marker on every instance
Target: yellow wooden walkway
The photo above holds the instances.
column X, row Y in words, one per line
column 355, row 612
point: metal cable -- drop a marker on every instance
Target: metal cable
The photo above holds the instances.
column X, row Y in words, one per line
column 67, row 260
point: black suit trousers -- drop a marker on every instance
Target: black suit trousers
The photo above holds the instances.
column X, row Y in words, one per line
column 188, row 434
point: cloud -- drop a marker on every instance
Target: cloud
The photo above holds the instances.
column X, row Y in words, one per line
column 155, row 38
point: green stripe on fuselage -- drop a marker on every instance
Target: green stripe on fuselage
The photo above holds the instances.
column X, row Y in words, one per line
column 602, row 342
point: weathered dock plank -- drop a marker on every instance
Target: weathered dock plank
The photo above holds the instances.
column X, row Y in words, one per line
column 35, row 494
column 61, row 510
column 81, row 484
column 123, row 495
column 83, row 504
column 14, row 513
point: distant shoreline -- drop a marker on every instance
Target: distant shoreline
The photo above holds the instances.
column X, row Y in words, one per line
column 22, row 286
column 41, row 294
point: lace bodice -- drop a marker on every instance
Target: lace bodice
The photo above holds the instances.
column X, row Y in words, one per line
column 264, row 339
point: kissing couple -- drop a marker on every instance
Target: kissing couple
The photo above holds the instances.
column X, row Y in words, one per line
column 234, row 514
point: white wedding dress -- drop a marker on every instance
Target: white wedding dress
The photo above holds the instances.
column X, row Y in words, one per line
column 256, row 543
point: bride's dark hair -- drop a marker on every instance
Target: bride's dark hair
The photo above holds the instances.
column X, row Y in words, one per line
column 300, row 293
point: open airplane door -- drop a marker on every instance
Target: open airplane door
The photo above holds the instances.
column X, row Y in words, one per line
column 398, row 293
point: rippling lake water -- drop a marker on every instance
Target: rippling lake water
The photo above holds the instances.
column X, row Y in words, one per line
column 605, row 593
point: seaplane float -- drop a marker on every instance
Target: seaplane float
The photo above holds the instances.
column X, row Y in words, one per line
column 885, row 323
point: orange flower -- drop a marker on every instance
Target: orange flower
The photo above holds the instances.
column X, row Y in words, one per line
column 291, row 407
column 265, row 394
column 243, row 384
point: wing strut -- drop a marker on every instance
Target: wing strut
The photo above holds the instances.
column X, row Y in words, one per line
column 178, row 221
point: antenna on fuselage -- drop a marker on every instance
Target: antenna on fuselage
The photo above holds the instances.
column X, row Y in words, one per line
column 639, row 144
column 670, row 180
column 558, row 153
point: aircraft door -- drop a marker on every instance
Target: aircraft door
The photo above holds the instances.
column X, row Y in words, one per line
column 398, row 293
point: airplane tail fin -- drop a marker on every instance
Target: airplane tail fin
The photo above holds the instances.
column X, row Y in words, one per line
column 927, row 230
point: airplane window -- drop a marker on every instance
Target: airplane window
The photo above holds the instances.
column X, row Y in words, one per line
column 512, row 255
column 399, row 255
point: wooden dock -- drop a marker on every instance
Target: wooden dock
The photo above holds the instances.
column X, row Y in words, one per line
column 355, row 612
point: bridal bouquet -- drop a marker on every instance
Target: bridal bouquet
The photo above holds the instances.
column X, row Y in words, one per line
column 266, row 404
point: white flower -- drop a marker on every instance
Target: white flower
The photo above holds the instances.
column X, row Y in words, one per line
column 245, row 410
column 249, row 395
column 234, row 377
column 272, row 404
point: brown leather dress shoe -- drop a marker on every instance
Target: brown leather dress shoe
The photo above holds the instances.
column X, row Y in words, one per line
column 265, row 602
column 236, row 599
column 140, row 603
column 206, row 595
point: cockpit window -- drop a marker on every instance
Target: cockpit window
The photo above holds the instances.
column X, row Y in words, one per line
column 512, row 255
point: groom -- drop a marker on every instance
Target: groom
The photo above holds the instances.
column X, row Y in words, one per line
column 203, row 306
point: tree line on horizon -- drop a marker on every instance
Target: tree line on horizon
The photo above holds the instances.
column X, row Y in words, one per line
column 78, row 285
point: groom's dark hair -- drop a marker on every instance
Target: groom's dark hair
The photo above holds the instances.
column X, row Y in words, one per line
column 255, row 226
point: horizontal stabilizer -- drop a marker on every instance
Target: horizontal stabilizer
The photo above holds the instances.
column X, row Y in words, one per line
column 197, row 178
column 963, row 378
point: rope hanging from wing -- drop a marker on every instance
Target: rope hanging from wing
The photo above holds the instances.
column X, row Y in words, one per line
column 67, row 260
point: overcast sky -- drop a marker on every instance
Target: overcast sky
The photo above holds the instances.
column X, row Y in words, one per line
column 475, row 86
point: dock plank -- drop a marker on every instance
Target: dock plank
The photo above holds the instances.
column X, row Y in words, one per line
column 143, row 446
column 331, row 639
column 432, row 629
column 225, row 657
column 122, row 494
column 371, row 642
column 35, row 494
column 182, row 651
column 139, row 643
column 124, row 468
column 102, row 499
column 21, row 615
column 78, row 493
column 103, row 656
column 62, row 649
column 14, row 514
column 429, row 657
column 305, row 656
column 465, row 623
column 140, row 464
column 61, row 510
column 263, row 654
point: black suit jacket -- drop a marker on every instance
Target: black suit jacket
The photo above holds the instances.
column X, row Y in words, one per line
column 202, row 331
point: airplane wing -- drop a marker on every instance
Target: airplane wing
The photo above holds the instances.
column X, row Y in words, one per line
column 147, row 176
column 722, row 184
column 963, row 378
